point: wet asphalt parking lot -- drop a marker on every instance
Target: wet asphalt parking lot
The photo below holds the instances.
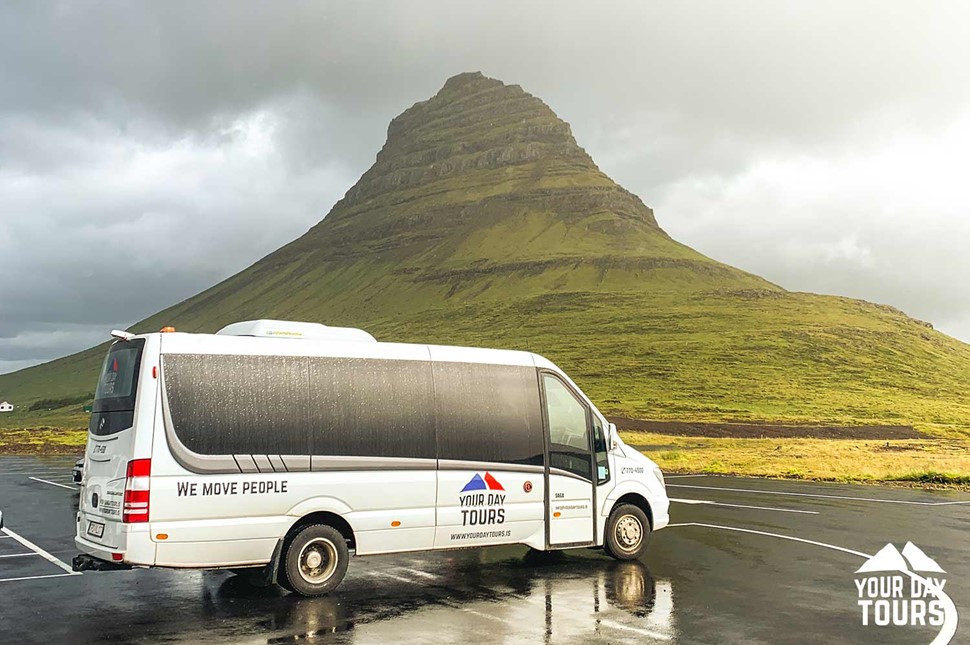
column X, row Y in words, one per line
column 744, row 561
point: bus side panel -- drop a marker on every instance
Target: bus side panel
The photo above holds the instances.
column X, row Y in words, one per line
column 487, row 506
column 216, row 478
column 195, row 555
column 491, row 486
column 235, row 519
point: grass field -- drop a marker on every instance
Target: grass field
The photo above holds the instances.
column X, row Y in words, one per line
column 42, row 441
column 761, row 356
column 68, row 418
column 930, row 462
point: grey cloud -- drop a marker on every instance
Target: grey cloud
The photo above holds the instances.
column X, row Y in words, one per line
column 36, row 343
column 221, row 130
column 132, row 227
column 772, row 66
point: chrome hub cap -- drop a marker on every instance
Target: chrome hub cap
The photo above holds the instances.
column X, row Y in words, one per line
column 629, row 532
column 318, row 560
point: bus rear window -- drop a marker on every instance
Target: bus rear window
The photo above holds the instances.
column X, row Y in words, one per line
column 118, row 382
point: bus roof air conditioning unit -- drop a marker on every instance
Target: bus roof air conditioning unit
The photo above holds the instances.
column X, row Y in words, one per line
column 291, row 329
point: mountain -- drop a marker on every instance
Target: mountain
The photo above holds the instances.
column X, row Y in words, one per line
column 483, row 222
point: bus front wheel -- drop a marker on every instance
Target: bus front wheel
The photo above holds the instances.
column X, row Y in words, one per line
column 316, row 560
column 627, row 532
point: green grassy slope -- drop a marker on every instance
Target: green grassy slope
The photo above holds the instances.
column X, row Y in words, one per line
column 482, row 222
column 749, row 356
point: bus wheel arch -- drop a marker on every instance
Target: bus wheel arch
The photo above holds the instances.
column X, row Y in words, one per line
column 329, row 518
column 637, row 500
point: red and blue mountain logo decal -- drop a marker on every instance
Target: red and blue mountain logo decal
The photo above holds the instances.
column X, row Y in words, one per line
column 482, row 483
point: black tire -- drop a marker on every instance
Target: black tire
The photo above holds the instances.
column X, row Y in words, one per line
column 627, row 532
column 316, row 560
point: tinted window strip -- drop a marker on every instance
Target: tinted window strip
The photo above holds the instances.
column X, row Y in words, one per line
column 204, row 421
column 456, row 464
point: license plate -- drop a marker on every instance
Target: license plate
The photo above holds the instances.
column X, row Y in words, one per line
column 96, row 529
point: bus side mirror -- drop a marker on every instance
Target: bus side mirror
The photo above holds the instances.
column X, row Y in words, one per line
column 612, row 431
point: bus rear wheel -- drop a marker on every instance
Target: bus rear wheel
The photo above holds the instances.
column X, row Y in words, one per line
column 316, row 560
column 627, row 532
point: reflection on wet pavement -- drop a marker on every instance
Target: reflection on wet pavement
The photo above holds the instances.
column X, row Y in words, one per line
column 723, row 562
column 519, row 596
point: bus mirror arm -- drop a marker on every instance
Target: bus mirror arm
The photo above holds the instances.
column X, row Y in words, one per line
column 612, row 430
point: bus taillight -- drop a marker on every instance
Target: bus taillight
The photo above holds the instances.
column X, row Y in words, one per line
column 137, row 480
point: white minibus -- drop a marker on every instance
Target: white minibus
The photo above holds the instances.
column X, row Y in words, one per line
column 290, row 446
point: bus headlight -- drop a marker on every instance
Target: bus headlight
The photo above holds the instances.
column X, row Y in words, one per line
column 660, row 477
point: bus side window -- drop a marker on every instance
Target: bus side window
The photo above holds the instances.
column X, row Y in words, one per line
column 599, row 447
column 488, row 413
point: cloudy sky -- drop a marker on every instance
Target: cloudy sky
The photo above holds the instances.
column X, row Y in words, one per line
column 148, row 150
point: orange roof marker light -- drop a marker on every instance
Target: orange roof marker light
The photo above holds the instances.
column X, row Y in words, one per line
column 167, row 330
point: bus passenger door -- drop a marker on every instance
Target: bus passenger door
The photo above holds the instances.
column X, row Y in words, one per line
column 569, row 465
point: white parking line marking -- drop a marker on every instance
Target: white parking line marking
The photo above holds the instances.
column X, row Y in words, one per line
column 49, row 575
column 484, row 615
column 423, row 574
column 777, row 535
column 38, row 479
column 760, row 508
column 636, row 630
column 17, row 555
column 385, row 574
column 682, row 476
column 59, row 471
column 41, row 552
column 778, row 492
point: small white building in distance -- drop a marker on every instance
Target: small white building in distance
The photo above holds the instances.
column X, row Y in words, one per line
column 6, row 407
